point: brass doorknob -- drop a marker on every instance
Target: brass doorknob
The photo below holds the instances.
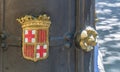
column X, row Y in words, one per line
column 87, row 39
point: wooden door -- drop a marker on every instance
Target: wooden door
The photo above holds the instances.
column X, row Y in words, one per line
column 63, row 55
column 60, row 59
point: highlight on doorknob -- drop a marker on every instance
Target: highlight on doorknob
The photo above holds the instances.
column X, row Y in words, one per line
column 88, row 38
column 35, row 37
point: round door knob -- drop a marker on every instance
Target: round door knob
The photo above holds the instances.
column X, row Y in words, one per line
column 3, row 36
column 86, row 39
column 3, row 45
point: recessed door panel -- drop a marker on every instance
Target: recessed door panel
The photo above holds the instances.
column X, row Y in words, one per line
column 62, row 14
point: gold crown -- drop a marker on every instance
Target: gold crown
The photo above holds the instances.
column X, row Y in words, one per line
column 30, row 21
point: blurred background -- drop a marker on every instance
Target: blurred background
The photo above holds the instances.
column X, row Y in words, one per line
column 108, row 27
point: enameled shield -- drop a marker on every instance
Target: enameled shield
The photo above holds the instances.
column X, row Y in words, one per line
column 35, row 44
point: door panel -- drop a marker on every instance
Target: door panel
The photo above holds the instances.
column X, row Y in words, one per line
column 84, row 17
column 0, row 41
column 62, row 15
column 0, row 60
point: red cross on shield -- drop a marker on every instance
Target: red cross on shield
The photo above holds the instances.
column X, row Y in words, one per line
column 30, row 36
column 41, row 51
